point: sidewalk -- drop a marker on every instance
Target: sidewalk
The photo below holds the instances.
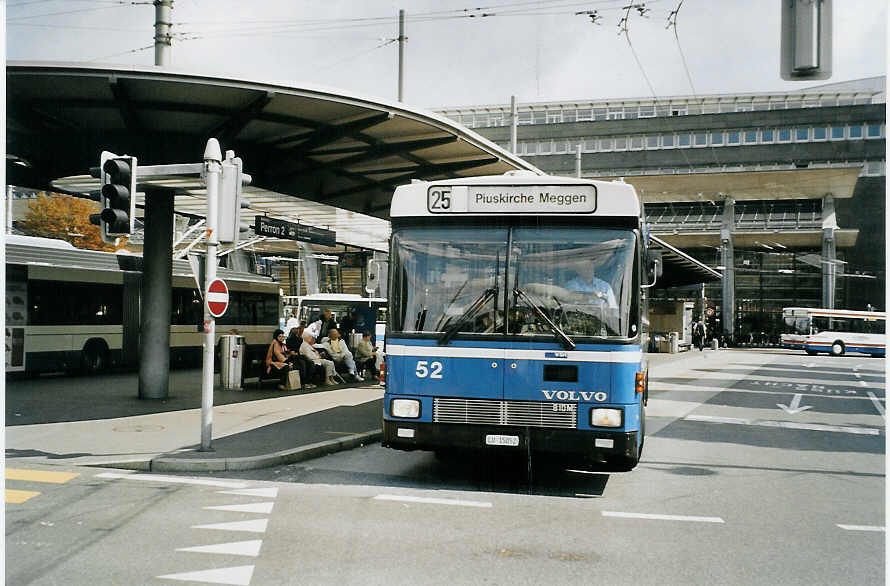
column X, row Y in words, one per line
column 98, row 421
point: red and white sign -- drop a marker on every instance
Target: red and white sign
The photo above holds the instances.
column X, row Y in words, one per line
column 217, row 297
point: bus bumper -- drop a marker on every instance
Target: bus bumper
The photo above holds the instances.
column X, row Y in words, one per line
column 595, row 445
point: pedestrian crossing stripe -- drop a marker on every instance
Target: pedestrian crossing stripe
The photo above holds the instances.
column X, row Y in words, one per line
column 40, row 475
column 17, row 497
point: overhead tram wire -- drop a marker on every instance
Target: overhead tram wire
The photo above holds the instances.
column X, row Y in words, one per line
column 140, row 49
column 11, row 20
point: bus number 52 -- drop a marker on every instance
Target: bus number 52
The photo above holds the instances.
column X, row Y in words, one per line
column 433, row 371
column 440, row 199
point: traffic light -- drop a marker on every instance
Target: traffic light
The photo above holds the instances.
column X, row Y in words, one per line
column 230, row 202
column 117, row 175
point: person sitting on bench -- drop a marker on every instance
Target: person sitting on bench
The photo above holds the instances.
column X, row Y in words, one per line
column 276, row 359
column 307, row 350
column 340, row 354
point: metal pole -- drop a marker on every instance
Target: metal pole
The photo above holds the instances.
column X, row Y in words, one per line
column 402, row 40
column 9, row 209
column 163, row 22
column 578, row 160
column 514, row 124
column 212, row 172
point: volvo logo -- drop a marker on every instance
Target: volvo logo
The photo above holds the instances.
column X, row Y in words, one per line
column 585, row 396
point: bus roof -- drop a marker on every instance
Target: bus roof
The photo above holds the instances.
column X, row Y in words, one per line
column 516, row 193
column 824, row 312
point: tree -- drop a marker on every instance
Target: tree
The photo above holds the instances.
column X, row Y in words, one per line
column 65, row 218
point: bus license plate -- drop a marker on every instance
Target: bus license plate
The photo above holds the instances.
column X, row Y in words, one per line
column 502, row 440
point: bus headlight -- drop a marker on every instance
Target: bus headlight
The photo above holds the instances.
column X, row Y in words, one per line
column 605, row 417
column 408, row 408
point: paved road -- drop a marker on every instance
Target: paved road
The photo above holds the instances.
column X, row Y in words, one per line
column 759, row 468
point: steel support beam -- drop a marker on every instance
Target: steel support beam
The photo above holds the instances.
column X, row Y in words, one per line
column 728, row 260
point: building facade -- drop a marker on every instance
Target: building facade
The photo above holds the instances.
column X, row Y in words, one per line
column 783, row 192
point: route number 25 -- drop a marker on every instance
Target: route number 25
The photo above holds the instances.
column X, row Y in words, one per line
column 433, row 371
column 440, row 199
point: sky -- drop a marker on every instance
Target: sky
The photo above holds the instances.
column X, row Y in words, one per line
column 454, row 56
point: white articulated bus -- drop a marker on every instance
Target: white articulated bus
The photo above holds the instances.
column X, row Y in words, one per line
column 73, row 309
column 834, row 331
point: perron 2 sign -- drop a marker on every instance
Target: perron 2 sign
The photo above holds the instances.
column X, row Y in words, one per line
column 272, row 227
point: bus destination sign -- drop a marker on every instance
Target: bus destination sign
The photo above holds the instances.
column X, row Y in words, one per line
column 512, row 199
column 266, row 226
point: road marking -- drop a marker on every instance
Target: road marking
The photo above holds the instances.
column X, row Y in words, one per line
column 794, row 407
column 172, row 479
column 40, row 475
column 431, row 501
column 662, row 517
column 862, row 383
column 238, row 575
column 17, row 497
column 248, row 548
column 861, row 527
column 786, row 424
column 877, row 403
column 252, row 526
column 262, row 508
column 270, row 493
column 857, row 375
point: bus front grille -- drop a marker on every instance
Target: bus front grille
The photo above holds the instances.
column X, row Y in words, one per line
column 494, row 412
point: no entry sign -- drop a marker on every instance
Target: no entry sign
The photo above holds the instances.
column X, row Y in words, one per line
column 217, row 297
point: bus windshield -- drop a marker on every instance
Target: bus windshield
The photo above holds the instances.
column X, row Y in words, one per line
column 459, row 280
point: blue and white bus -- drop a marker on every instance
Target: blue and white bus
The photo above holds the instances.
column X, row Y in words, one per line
column 835, row 331
column 516, row 318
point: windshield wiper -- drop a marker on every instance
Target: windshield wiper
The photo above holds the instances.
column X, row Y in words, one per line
column 469, row 312
column 564, row 339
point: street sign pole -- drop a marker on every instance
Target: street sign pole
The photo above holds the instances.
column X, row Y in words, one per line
column 212, row 172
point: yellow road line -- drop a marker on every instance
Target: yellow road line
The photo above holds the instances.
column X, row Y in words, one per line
column 17, row 497
column 39, row 475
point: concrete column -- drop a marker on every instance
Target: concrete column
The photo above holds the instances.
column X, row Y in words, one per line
column 728, row 260
column 829, row 253
column 157, row 290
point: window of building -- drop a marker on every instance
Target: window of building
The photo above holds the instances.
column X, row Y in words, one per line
column 540, row 117
column 828, row 102
column 684, row 140
column 647, row 111
column 600, row 114
column 873, row 131
column 496, row 119
column 662, row 111
column 559, row 146
column 678, row 111
column 693, row 110
column 811, row 103
column 667, row 140
column 583, row 115
column 801, row 134
column 784, row 135
column 792, row 104
column 568, row 115
column 636, row 143
column 531, row 148
column 621, row 143
column 590, row 145
column 743, row 107
column 855, row 131
column 717, row 138
column 652, row 142
column 700, row 139
column 545, row 147
column 820, row 133
column 862, row 101
column 733, row 137
column 607, row 144
column 766, row 135
column 525, row 118
column 554, row 117
column 481, row 120
column 837, row 133
column 710, row 109
column 631, row 112
column 750, row 136
column 727, row 107
column 845, row 101
column 760, row 105
column 616, row 113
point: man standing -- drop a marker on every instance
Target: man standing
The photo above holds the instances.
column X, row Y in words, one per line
column 327, row 324
column 339, row 353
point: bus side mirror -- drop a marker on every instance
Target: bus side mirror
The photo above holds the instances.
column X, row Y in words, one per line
column 653, row 267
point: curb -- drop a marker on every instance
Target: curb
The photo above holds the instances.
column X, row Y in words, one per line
column 173, row 464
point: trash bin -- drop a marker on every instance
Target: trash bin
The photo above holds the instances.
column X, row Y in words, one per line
column 231, row 355
column 714, row 344
column 675, row 342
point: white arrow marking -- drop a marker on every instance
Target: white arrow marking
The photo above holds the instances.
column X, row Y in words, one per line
column 262, row 508
column 270, row 493
column 253, row 526
column 795, row 407
column 877, row 404
column 861, row 527
column 249, row 548
column 786, row 424
column 239, row 575
column 431, row 501
column 172, row 479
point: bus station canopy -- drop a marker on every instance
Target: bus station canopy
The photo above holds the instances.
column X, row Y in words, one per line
column 300, row 143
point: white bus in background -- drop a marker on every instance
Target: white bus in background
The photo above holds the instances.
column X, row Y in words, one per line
column 309, row 308
column 834, row 331
column 74, row 309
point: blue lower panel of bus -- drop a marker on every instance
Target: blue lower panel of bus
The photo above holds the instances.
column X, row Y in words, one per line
column 873, row 350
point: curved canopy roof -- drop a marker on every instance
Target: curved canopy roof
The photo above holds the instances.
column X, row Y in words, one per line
column 309, row 142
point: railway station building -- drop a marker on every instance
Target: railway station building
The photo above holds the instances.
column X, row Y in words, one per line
column 783, row 192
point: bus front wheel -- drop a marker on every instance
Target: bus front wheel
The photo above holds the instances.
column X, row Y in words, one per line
column 94, row 358
column 838, row 349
